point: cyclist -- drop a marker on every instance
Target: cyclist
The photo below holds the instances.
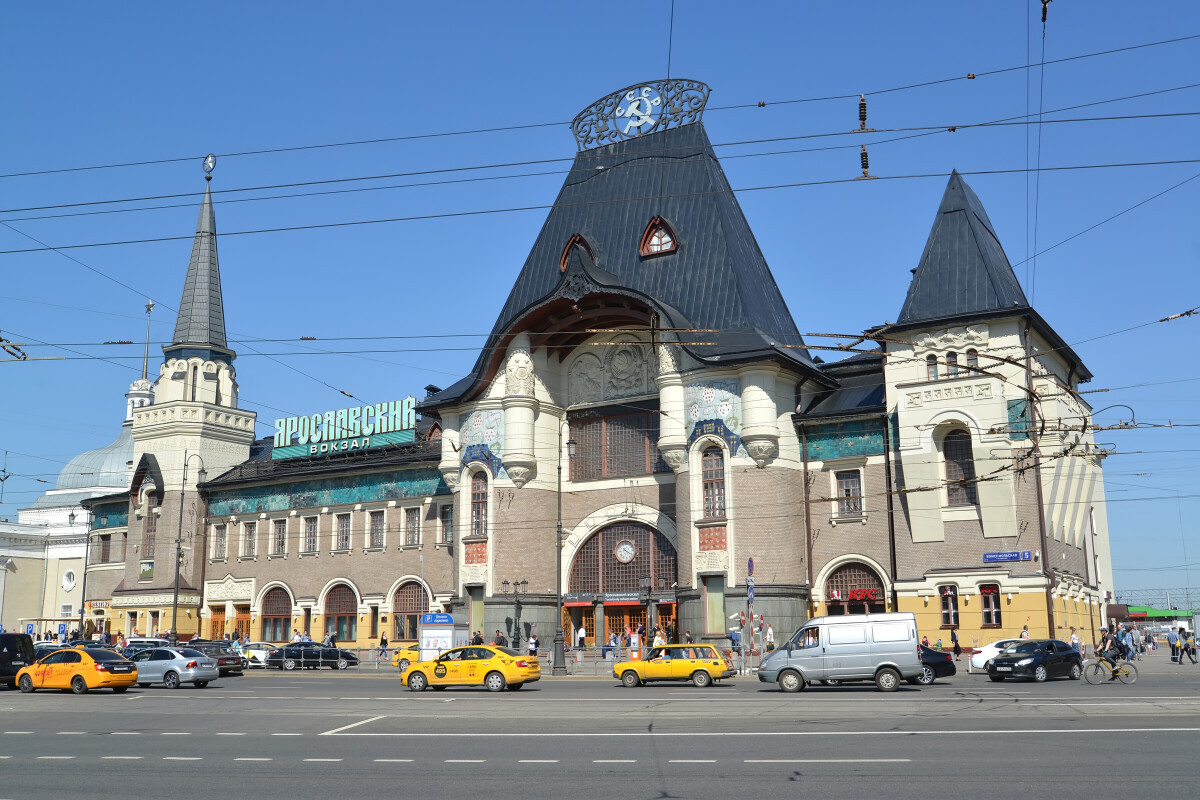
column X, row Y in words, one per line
column 1108, row 650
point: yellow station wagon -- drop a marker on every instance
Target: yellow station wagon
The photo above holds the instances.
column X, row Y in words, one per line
column 702, row 664
column 475, row 665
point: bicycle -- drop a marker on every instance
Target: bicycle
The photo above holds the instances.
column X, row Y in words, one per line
column 1094, row 673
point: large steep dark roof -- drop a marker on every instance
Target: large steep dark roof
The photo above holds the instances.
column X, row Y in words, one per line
column 717, row 278
column 963, row 270
column 200, row 324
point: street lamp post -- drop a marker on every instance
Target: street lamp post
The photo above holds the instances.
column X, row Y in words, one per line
column 179, row 541
column 560, row 656
column 87, row 542
column 518, row 588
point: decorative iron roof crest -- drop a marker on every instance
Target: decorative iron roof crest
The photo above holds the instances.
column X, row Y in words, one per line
column 640, row 109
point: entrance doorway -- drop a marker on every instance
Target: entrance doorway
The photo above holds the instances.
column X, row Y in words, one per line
column 618, row 618
column 855, row 589
column 216, row 626
column 241, row 623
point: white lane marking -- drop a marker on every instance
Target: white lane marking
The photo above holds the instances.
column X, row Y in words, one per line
column 72, row 733
column 55, row 758
column 393, row 761
column 122, row 758
column 614, row 760
column 322, row 759
column 17, row 733
column 1126, row 703
column 537, row 761
column 183, row 758
column 287, row 734
column 338, row 731
column 743, row 734
column 176, row 733
column 252, row 759
column 826, row 760
column 230, row 734
column 692, row 761
column 4, row 757
column 465, row 760
column 125, row 733
column 355, row 698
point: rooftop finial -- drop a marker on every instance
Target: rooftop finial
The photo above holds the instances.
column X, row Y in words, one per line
column 210, row 163
column 146, row 354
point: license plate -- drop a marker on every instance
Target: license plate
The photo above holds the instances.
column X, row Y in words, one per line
column 16, row 663
column 122, row 669
column 1003, row 669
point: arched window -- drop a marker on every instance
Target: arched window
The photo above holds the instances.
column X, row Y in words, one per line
column 408, row 604
column 951, row 365
column 566, row 253
column 341, row 613
column 973, row 359
column 195, row 380
column 658, row 239
column 960, row 469
column 276, row 615
column 854, row 589
column 713, row 465
column 931, row 367
column 479, row 496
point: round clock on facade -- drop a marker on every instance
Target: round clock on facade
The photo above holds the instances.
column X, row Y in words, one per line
column 624, row 551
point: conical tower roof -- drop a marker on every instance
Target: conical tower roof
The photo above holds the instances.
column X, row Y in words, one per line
column 200, row 325
column 963, row 271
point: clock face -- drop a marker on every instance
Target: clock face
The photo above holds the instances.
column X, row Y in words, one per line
column 625, row 551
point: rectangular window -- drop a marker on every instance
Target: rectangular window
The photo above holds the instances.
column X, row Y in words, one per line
column 447, row 514
column 847, row 634
column 412, row 526
column 713, row 472
column 374, row 622
column 849, row 492
column 949, row 595
column 478, row 505
column 251, row 533
column 219, row 541
column 310, row 534
column 343, row 532
column 105, row 548
column 146, row 571
column 376, row 529
column 279, row 537
column 616, row 446
column 990, row 595
column 714, row 603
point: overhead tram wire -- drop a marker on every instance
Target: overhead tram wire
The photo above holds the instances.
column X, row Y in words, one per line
column 535, row 125
column 546, row 207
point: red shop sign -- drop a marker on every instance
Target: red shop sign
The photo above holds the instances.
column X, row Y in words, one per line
column 855, row 594
column 988, row 590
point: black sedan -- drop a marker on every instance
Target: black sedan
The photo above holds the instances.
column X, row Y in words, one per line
column 311, row 655
column 934, row 664
column 1037, row 660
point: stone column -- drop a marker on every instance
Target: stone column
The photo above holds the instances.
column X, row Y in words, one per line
column 520, row 408
column 672, row 424
column 760, row 426
column 450, row 464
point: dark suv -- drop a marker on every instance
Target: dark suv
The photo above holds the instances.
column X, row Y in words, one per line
column 16, row 653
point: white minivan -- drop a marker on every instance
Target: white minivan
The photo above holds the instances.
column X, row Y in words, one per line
column 878, row 647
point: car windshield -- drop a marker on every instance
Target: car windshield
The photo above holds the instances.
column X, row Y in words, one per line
column 105, row 655
column 1024, row 647
column 190, row 653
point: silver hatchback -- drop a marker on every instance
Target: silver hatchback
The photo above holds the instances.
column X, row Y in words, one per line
column 174, row 667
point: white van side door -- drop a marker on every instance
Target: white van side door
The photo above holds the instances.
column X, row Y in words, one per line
column 847, row 653
column 807, row 653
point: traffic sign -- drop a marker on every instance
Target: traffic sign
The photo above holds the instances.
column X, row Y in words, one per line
column 29, row 628
column 750, row 566
column 749, row 580
column 750, row 593
column 62, row 629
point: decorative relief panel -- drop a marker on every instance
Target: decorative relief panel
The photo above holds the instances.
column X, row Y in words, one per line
column 482, row 439
column 518, row 375
column 230, row 589
column 715, row 408
column 711, row 560
column 625, row 371
column 953, row 339
column 954, row 392
column 474, row 573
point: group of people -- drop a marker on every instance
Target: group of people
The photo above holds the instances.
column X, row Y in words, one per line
column 500, row 640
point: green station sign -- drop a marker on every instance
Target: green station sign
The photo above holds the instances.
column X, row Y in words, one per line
column 358, row 428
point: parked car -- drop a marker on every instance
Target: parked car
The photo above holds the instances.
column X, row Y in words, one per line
column 43, row 649
column 79, row 669
column 702, row 664
column 982, row 657
column 934, row 664
column 175, row 667
column 878, row 647
column 256, row 653
column 16, row 651
column 229, row 661
column 1037, row 660
column 310, row 655
column 405, row 655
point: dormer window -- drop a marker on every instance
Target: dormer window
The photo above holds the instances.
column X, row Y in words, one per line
column 658, row 238
column 577, row 239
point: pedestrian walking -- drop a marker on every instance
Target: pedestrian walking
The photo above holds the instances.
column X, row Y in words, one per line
column 954, row 642
column 769, row 638
column 1025, row 632
column 1173, row 641
column 1187, row 645
column 581, row 635
column 659, row 639
column 687, row 638
column 500, row 641
column 1075, row 639
column 383, row 646
column 533, row 645
column 1138, row 647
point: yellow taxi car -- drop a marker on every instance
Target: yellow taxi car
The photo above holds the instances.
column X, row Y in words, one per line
column 702, row 664
column 79, row 670
column 496, row 668
column 406, row 654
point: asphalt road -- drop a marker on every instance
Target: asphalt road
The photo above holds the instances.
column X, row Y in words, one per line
column 295, row 734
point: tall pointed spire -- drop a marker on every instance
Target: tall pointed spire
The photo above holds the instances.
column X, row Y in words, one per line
column 963, row 270
column 200, row 326
column 146, row 352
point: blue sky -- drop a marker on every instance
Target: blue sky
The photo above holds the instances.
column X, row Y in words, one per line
column 116, row 84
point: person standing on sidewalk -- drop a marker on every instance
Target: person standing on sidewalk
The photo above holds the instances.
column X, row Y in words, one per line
column 1173, row 641
column 1025, row 632
column 954, row 642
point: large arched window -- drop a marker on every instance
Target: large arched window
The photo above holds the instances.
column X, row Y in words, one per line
column 960, row 468
column 658, row 238
column 408, row 604
column 276, row 615
column 479, row 509
column 341, row 613
column 618, row 556
column 713, row 466
column 854, row 589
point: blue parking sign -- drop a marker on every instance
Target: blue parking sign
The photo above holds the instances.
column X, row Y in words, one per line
column 29, row 628
column 62, row 629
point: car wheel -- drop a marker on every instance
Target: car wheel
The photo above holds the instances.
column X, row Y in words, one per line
column 79, row 685
column 515, row 687
column 1040, row 674
column 25, row 684
column 790, row 681
column 289, row 664
column 701, row 678
column 926, row 677
column 1076, row 671
column 201, row 684
column 171, row 680
column 494, row 681
column 887, row 680
column 996, row 678
column 417, row 682
column 630, row 679
column 403, row 664
column 341, row 664
column 120, row 689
